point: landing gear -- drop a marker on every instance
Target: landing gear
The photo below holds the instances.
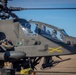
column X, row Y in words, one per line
column 47, row 62
column 29, row 62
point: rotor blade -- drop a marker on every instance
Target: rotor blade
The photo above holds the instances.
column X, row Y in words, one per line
column 16, row 8
column 50, row 8
column 19, row 8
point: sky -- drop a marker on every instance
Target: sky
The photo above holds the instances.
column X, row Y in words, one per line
column 64, row 19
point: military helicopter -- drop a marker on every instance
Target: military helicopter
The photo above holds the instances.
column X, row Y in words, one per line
column 30, row 46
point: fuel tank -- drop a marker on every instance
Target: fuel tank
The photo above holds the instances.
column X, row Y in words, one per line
column 12, row 55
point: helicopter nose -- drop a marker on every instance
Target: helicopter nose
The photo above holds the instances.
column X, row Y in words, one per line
column 14, row 55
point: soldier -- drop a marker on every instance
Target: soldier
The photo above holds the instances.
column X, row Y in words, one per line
column 31, row 72
column 8, row 65
column 24, row 71
column 6, row 45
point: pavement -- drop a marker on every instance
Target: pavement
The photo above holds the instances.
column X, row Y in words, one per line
column 68, row 64
column 61, row 67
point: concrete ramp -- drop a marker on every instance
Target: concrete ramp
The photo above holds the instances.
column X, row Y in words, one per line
column 68, row 65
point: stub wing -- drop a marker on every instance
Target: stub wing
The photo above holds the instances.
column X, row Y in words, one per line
column 45, row 50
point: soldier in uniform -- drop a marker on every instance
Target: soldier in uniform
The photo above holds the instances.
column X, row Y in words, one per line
column 8, row 65
column 7, row 45
column 31, row 72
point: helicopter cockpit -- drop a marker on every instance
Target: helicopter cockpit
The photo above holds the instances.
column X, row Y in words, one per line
column 49, row 32
column 26, row 27
column 36, row 28
column 63, row 31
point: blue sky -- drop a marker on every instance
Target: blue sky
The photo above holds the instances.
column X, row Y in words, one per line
column 65, row 19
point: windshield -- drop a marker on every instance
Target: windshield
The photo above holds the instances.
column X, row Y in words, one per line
column 63, row 31
column 27, row 27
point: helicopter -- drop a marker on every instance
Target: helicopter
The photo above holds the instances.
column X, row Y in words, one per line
column 30, row 46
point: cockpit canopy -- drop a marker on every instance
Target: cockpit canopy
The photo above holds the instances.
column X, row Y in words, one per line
column 30, row 29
